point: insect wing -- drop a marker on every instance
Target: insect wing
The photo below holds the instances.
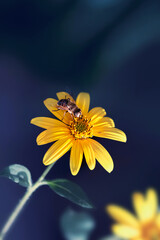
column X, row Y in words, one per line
column 65, row 95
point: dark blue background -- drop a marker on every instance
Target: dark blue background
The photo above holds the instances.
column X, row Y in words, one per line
column 110, row 49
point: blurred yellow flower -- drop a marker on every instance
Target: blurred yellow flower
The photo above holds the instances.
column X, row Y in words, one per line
column 144, row 226
column 76, row 133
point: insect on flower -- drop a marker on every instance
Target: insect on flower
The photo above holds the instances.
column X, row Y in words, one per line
column 74, row 129
column 69, row 106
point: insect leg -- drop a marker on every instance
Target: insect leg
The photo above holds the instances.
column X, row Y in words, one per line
column 55, row 110
column 66, row 97
column 64, row 115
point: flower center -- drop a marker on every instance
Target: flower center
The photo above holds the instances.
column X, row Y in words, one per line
column 150, row 231
column 81, row 127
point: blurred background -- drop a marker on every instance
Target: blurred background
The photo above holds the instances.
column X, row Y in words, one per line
column 109, row 48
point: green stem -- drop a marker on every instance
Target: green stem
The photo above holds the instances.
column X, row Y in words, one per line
column 23, row 201
column 44, row 174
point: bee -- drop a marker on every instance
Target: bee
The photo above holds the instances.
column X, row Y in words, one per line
column 69, row 106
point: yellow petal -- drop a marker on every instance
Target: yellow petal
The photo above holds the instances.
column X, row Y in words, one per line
column 110, row 133
column 83, row 102
column 64, row 95
column 158, row 220
column 146, row 207
column 152, row 203
column 89, row 154
column 95, row 114
column 106, row 122
column 121, row 215
column 51, row 105
column 139, row 204
column 76, row 157
column 124, row 231
column 57, row 150
column 138, row 238
column 45, row 122
column 101, row 154
column 52, row 134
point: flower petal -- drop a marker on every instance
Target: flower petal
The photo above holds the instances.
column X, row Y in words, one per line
column 158, row 220
column 124, row 231
column 105, row 121
column 83, row 102
column 76, row 157
column 152, row 203
column 102, row 155
column 121, row 215
column 139, row 238
column 57, row 150
column 110, row 133
column 146, row 208
column 95, row 114
column 52, row 134
column 45, row 122
column 51, row 105
column 64, row 95
column 139, row 204
column 89, row 154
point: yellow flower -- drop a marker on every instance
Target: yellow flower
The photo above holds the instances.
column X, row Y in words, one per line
column 76, row 133
column 144, row 226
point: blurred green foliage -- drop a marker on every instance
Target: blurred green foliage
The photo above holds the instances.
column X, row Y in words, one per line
column 76, row 225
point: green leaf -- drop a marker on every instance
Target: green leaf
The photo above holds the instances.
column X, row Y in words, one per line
column 18, row 174
column 76, row 225
column 71, row 191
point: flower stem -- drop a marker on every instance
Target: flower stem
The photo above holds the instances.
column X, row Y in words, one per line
column 23, row 201
column 44, row 174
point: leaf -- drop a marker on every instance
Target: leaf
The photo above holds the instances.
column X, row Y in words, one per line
column 71, row 191
column 18, row 174
column 76, row 225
